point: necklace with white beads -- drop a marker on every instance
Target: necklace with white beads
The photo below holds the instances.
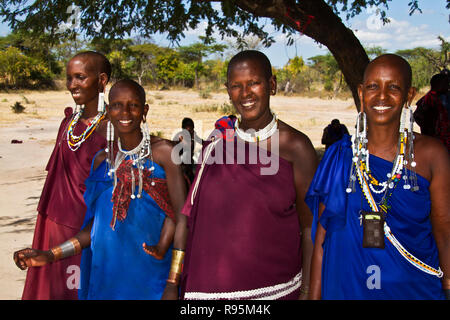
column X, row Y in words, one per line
column 254, row 136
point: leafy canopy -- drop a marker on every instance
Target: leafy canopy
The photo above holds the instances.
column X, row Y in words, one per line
column 110, row 19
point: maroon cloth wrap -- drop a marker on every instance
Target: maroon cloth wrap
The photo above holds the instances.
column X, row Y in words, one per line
column 62, row 196
column 61, row 211
column 121, row 196
column 244, row 230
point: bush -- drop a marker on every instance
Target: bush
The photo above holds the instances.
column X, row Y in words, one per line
column 227, row 109
column 21, row 71
column 205, row 94
column 18, row 107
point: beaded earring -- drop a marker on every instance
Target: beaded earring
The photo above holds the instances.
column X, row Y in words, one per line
column 110, row 147
column 359, row 148
column 406, row 126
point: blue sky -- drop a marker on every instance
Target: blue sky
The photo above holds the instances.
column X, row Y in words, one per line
column 403, row 32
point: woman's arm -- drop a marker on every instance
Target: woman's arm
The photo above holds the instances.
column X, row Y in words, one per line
column 177, row 192
column 316, row 261
column 36, row 258
column 440, row 213
column 304, row 166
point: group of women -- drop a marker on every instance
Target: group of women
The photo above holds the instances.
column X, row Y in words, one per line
column 114, row 197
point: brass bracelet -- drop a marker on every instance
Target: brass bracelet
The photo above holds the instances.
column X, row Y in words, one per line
column 176, row 266
column 67, row 249
column 57, row 253
column 174, row 277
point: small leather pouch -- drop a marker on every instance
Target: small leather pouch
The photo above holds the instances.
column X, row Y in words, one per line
column 373, row 229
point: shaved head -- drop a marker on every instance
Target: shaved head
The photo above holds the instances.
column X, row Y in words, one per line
column 252, row 55
column 129, row 84
column 392, row 61
column 95, row 61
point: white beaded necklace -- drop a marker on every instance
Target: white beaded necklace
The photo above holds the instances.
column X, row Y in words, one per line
column 260, row 135
column 138, row 156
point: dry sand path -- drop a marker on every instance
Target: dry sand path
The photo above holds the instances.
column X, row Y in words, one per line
column 22, row 166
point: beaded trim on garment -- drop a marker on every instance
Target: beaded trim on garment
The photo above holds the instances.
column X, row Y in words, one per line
column 266, row 293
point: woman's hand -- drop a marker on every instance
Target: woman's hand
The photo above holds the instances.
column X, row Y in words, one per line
column 32, row 258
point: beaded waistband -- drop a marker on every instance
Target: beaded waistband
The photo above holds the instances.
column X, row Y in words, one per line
column 266, row 293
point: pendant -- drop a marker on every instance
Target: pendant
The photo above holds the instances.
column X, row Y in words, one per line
column 373, row 229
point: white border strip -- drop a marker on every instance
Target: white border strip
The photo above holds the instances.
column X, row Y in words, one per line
column 266, row 293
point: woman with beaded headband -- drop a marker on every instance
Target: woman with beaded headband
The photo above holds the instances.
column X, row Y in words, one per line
column 380, row 200
column 132, row 203
column 249, row 228
column 61, row 207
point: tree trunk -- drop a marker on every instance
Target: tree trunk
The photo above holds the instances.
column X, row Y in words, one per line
column 316, row 19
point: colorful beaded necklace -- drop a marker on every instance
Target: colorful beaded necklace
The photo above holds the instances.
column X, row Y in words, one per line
column 388, row 233
column 73, row 141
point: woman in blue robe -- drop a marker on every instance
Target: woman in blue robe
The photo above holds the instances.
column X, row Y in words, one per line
column 413, row 261
column 133, row 196
column 130, row 273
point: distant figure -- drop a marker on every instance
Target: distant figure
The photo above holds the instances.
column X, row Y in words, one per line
column 445, row 97
column 431, row 114
column 333, row 132
column 188, row 137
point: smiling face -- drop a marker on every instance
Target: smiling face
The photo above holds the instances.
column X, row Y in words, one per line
column 249, row 89
column 82, row 80
column 126, row 108
column 385, row 89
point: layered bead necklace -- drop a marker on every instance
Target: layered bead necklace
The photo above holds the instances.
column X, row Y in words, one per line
column 392, row 178
column 74, row 141
column 361, row 156
column 260, row 135
column 138, row 156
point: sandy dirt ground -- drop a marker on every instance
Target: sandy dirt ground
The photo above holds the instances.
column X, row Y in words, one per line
column 22, row 165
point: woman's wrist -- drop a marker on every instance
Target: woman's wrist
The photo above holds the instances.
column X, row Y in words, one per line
column 67, row 249
column 445, row 283
column 50, row 255
column 176, row 266
column 304, row 289
column 447, row 294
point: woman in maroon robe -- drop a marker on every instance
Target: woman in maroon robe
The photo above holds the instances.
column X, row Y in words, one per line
column 249, row 227
column 61, row 207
